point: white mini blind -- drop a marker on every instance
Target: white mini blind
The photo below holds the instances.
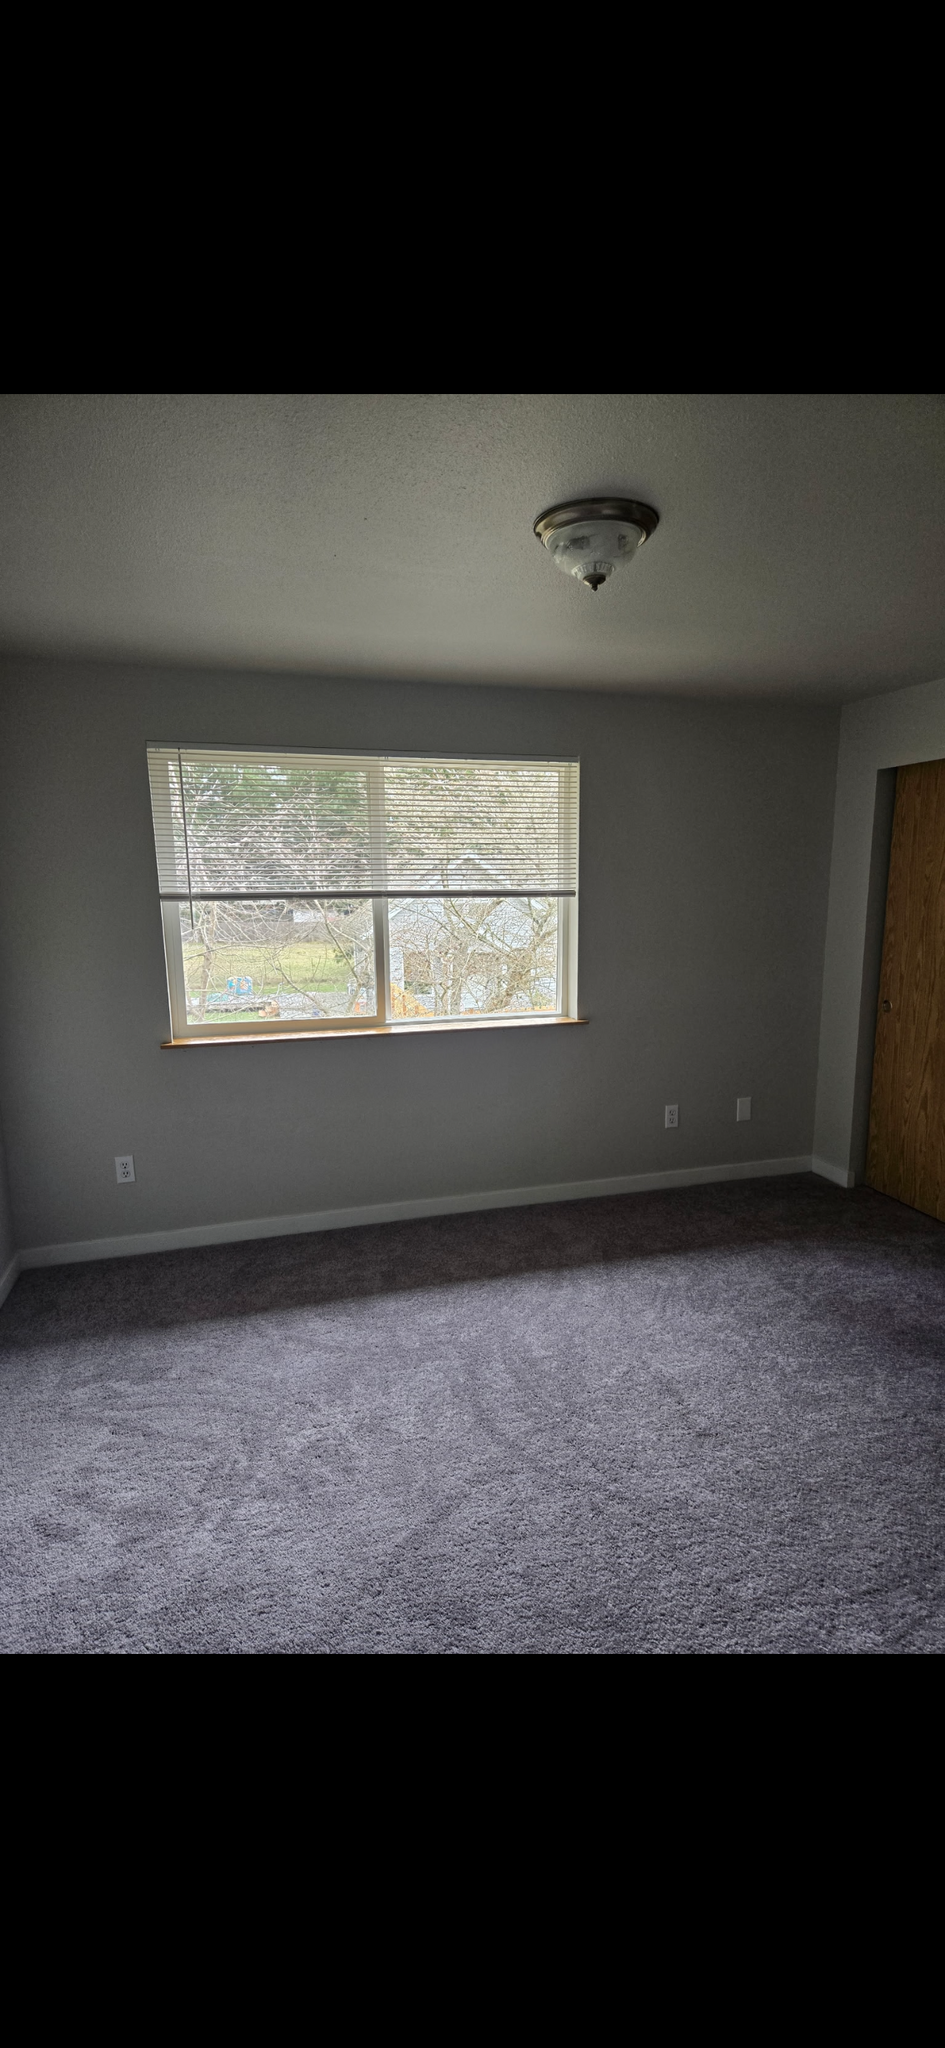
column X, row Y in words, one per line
column 234, row 825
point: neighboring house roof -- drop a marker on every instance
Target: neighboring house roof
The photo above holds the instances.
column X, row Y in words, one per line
column 467, row 871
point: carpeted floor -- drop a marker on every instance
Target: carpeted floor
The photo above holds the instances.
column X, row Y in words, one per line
column 706, row 1422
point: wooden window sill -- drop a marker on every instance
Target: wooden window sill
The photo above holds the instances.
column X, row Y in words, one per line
column 398, row 1030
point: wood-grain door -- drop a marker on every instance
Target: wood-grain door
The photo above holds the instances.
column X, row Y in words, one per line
column 906, row 1153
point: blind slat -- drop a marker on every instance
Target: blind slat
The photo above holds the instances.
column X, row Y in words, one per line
column 237, row 823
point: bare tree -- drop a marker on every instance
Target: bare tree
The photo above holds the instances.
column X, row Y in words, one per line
column 481, row 955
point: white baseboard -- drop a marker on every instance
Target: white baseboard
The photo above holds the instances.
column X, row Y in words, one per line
column 840, row 1174
column 396, row 1212
column 8, row 1276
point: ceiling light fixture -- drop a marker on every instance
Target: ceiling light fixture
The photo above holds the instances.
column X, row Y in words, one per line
column 590, row 538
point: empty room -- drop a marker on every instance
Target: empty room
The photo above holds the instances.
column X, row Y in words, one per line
column 533, row 808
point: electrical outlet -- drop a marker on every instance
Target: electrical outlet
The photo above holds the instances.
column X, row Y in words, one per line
column 672, row 1116
column 125, row 1167
column 743, row 1109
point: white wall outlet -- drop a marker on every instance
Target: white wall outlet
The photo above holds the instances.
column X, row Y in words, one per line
column 672, row 1116
column 125, row 1167
column 743, row 1109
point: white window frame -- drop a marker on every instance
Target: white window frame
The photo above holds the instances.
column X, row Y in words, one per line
column 183, row 1027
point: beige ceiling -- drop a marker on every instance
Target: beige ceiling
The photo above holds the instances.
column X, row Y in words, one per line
column 800, row 551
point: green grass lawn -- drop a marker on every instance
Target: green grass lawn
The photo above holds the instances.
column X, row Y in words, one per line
column 309, row 966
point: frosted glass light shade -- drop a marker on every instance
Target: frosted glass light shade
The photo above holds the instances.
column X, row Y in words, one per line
column 591, row 547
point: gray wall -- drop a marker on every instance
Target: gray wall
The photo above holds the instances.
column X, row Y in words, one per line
column 705, row 840
column 877, row 734
column 7, row 1237
column 7, row 1234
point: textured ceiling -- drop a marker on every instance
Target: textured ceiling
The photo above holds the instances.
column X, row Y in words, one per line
column 800, row 551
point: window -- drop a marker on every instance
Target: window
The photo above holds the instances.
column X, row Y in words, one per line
column 313, row 892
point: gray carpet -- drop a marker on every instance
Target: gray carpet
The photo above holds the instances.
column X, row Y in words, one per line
column 706, row 1422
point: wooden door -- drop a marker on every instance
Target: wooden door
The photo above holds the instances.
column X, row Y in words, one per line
column 906, row 1153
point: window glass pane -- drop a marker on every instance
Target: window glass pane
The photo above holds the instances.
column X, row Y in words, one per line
column 454, row 825
column 258, row 824
column 472, row 956
column 295, row 961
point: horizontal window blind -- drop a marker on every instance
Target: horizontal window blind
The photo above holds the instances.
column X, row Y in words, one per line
column 234, row 825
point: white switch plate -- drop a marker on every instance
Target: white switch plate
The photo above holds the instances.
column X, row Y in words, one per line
column 125, row 1167
column 743, row 1109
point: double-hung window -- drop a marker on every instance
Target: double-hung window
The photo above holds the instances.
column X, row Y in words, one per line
column 307, row 892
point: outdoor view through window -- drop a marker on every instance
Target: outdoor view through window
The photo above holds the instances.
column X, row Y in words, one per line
column 308, row 891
